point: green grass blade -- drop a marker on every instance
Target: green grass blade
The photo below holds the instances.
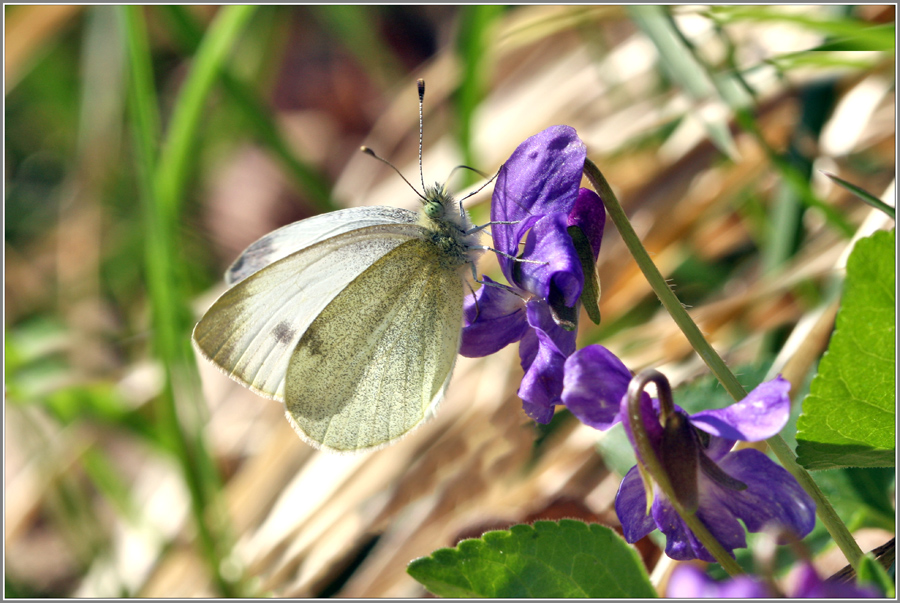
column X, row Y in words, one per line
column 880, row 37
column 730, row 90
column 169, row 311
column 177, row 150
column 142, row 96
column 864, row 195
column 472, row 47
column 306, row 176
column 683, row 67
column 354, row 27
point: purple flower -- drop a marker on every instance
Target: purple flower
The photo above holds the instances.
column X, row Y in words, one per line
column 721, row 485
column 691, row 582
column 538, row 190
column 808, row 585
column 594, row 384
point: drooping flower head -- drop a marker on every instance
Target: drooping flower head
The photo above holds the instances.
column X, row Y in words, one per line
column 722, row 486
column 537, row 201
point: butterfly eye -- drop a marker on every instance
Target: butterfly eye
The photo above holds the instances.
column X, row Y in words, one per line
column 433, row 209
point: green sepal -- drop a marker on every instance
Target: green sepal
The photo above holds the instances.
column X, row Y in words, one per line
column 590, row 295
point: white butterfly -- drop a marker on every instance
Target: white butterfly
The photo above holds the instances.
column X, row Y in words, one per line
column 351, row 318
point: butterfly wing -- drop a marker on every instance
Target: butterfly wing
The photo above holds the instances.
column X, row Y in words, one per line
column 251, row 331
column 376, row 362
column 292, row 238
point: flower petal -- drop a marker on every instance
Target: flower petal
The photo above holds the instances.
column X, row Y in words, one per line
column 691, row 582
column 760, row 415
column 772, row 494
column 808, row 585
column 717, row 447
column 559, row 275
column 537, row 391
column 542, row 176
column 595, row 381
column 681, row 544
column 631, row 507
column 720, row 522
column 492, row 319
column 543, row 352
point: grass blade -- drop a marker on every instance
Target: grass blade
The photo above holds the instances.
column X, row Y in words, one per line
column 173, row 165
column 306, row 176
column 170, row 314
column 684, row 68
column 864, row 195
column 472, row 47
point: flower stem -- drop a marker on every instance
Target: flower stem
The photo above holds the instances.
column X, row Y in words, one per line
column 647, row 456
column 824, row 510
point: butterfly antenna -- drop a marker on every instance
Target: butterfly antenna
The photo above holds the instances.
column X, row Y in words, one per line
column 370, row 152
column 420, row 84
column 466, row 167
column 480, row 188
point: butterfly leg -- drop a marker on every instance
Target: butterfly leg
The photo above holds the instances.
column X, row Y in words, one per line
column 483, row 226
column 512, row 257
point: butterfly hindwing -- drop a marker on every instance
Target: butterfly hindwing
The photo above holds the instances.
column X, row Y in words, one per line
column 376, row 361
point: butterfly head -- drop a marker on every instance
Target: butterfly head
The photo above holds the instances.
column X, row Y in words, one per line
column 436, row 201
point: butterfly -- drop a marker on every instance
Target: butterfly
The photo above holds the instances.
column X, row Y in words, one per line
column 351, row 318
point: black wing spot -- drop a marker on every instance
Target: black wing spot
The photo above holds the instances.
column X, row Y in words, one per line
column 284, row 332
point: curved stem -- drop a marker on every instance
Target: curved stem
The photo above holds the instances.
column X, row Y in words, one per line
column 647, row 457
column 824, row 510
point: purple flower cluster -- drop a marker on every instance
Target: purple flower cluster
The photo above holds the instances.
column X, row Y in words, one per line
column 537, row 199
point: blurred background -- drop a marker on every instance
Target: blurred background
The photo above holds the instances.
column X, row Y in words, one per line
column 146, row 147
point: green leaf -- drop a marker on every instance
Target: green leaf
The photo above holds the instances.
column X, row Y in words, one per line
column 854, row 505
column 873, row 486
column 848, row 418
column 871, row 572
column 546, row 560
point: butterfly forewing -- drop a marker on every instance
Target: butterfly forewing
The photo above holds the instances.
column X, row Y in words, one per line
column 299, row 235
column 350, row 388
column 251, row 331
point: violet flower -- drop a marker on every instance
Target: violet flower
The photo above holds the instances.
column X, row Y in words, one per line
column 807, row 584
column 691, row 582
column 593, row 387
column 722, row 486
column 538, row 190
